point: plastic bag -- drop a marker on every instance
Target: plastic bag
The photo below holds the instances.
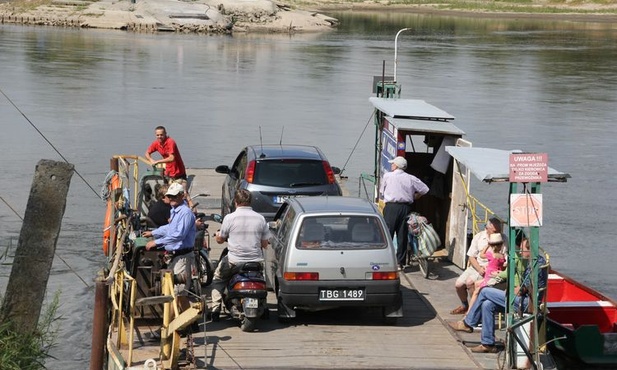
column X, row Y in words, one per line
column 427, row 237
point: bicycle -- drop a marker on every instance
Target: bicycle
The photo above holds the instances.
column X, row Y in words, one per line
column 417, row 225
column 414, row 254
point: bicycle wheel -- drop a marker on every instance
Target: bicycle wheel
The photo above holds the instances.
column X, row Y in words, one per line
column 205, row 268
column 196, row 287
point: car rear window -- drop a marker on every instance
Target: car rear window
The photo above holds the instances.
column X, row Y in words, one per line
column 341, row 232
column 290, row 173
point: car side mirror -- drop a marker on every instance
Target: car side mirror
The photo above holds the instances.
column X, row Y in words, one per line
column 222, row 169
column 336, row 170
column 273, row 225
column 214, row 217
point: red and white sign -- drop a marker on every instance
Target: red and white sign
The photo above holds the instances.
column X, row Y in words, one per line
column 528, row 167
column 525, row 210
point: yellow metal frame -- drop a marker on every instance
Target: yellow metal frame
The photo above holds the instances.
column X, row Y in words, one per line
column 173, row 320
column 118, row 321
column 480, row 213
column 125, row 163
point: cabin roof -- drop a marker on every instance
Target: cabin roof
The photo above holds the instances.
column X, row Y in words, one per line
column 425, row 126
column 416, row 115
column 493, row 165
column 409, row 108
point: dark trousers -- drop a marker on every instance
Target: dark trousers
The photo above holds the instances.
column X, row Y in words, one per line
column 395, row 215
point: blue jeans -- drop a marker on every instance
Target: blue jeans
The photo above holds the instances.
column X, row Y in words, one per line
column 489, row 301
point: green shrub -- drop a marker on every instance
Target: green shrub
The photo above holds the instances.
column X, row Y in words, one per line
column 20, row 351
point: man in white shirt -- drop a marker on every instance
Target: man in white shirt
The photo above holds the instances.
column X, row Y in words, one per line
column 246, row 233
column 400, row 190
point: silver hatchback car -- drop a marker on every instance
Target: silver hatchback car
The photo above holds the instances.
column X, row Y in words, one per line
column 329, row 252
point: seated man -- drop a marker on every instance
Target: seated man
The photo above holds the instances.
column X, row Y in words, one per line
column 491, row 299
column 158, row 214
column 177, row 238
column 246, row 233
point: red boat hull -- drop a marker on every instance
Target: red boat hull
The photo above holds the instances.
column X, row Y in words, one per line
column 582, row 323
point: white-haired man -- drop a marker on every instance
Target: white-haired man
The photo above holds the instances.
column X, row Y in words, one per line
column 399, row 190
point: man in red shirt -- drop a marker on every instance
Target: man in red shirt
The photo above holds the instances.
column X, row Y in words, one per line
column 174, row 166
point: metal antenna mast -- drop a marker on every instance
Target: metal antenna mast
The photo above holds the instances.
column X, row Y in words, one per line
column 395, row 50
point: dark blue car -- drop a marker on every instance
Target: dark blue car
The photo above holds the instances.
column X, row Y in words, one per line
column 273, row 173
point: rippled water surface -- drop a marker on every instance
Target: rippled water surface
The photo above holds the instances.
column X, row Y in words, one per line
column 537, row 86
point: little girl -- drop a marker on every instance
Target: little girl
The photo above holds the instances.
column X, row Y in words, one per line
column 494, row 253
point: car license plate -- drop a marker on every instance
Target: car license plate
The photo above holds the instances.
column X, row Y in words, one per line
column 251, row 302
column 341, row 295
column 280, row 198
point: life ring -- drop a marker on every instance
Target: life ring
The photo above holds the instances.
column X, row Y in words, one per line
column 112, row 184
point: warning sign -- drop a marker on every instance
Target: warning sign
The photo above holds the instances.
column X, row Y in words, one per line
column 528, row 167
column 525, row 210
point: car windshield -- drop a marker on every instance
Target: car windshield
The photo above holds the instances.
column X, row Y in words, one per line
column 341, row 232
column 290, row 173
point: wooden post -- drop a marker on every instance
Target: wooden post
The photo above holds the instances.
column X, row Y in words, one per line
column 37, row 244
column 99, row 324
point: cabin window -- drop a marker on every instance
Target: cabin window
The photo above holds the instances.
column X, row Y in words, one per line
column 425, row 143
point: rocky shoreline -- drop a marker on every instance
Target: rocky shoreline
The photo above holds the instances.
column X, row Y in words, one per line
column 200, row 16
column 229, row 16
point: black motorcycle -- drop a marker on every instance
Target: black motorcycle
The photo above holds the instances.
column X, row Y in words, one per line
column 245, row 297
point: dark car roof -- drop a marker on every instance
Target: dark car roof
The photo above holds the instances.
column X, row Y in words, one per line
column 285, row 151
column 333, row 204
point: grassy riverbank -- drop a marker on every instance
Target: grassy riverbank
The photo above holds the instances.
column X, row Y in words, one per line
column 538, row 7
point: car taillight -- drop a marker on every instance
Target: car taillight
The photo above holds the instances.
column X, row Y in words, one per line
column 250, row 172
column 301, row 276
column 389, row 275
column 329, row 172
column 249, row 285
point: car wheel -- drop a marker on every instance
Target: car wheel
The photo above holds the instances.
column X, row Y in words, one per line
column 266, row 314
column 390, row 321
column 223, row 208
column 282, row 310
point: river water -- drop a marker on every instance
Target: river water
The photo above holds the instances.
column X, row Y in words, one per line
column 512, row 84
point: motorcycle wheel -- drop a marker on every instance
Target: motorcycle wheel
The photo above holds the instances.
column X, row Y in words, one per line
column 248, row 324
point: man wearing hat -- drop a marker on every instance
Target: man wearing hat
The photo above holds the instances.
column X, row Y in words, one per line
column 177, row 239
column 399, row 190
